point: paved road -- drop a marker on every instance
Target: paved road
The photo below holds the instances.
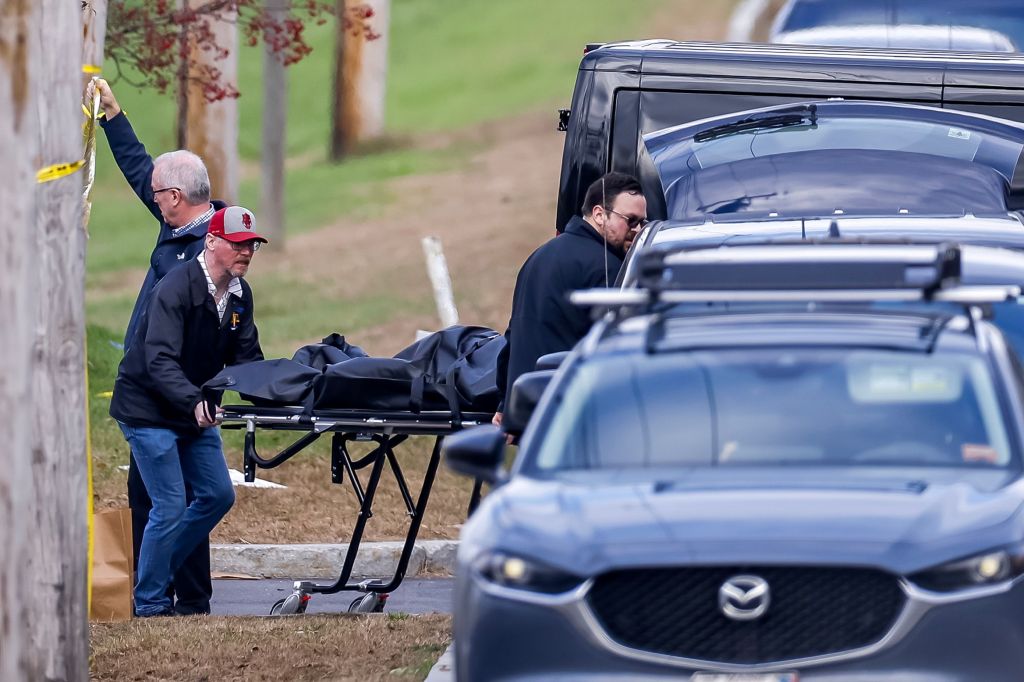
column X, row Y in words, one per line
column 255, row 597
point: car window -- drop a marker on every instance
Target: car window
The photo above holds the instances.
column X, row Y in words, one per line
column 814, row 13
column 1004, row 16
column 735, row 408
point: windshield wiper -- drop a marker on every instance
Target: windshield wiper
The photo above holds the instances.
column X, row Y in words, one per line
column 780, row 118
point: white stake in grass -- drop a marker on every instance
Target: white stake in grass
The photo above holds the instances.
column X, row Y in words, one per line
column 437, row 269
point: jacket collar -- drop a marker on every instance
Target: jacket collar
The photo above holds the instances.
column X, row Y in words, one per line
column 197, row 228
column 581, row 228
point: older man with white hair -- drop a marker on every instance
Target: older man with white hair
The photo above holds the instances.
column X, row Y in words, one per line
column 176, row 189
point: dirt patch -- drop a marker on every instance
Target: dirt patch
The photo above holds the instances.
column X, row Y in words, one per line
column 489, row 214
column 343, row 647
column 693, row 20
column 113, row 284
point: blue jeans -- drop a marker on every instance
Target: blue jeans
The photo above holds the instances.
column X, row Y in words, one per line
column 167, row 460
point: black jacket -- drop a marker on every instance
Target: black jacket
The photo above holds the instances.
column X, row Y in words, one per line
column 180, row 345
column 170, row 251
column 543, row 321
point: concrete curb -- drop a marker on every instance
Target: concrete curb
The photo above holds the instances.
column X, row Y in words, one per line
column 444, row 669
column 375, row 559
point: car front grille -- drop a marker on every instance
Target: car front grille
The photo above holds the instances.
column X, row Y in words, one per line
column 812, row 612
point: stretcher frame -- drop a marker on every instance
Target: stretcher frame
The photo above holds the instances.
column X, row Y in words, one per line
column 388, row 429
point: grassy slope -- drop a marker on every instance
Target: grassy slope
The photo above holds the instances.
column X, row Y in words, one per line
column 452, row 64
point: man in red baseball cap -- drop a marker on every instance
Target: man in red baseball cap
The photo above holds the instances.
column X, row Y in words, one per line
column 231, row 243
column 200, row 319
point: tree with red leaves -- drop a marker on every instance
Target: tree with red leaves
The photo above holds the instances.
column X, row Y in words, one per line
column 156, row 43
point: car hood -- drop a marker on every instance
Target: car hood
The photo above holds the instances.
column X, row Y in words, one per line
column 902, row 523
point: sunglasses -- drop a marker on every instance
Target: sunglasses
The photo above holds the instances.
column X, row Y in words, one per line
column 632, row 222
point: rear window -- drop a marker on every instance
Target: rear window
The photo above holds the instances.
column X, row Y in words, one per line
column 778, row 407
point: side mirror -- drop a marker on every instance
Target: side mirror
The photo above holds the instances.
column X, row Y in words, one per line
column 552, row 360
column 478, row 452
column 526, row 393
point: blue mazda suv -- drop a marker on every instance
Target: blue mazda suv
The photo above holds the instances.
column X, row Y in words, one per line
column 764, row 463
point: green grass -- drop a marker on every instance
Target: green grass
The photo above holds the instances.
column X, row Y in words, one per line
column 452, row 64
column 108, row 445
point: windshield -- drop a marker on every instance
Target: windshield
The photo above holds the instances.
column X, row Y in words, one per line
column 858, row 163
column 767, row 407
column 921, row 137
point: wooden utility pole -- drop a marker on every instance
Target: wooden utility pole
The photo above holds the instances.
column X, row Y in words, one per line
column 275, row 113
column 360, row 81
column 17, row 305
column 94, row 31
column 43, row 630
column 212, row 127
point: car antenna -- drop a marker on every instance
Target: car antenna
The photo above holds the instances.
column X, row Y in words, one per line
column 833, row 229
column 604, row 232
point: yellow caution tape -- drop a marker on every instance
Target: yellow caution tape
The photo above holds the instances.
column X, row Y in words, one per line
column 58, row 170
column 91, row 69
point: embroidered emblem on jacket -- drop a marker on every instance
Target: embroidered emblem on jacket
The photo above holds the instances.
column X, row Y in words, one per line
column 181, row 256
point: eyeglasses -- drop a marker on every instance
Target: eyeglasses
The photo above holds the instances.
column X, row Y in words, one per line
column 631, row 222
column 165, row 189
column 238, row 247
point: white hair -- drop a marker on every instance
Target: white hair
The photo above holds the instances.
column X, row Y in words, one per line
column 187, row 172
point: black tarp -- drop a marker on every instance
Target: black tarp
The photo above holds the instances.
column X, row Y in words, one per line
column 453, row 369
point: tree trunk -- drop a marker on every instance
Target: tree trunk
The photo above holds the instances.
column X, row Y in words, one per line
column 43, row 630
column 338, row 142
column 181, row 124
column 275, row 111
column 212, row 127
column 360, row 81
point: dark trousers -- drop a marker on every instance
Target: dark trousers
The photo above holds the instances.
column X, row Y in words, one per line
column 191, row 584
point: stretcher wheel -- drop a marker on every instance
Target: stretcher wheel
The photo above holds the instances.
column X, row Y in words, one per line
column 372, row 602
column 291, row 604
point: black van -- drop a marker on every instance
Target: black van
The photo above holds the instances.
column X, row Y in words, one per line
column 626, row 90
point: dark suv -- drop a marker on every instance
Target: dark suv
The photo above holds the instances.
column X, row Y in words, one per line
column 820, row 481
column 627, row 90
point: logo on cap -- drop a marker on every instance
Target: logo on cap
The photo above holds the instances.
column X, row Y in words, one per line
column 247, row 220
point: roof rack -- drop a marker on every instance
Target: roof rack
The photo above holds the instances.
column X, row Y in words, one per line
column 800, row 272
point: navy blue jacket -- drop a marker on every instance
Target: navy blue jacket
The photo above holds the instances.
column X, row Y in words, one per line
column 543, row 321
column 170, row 251
column 180, row 345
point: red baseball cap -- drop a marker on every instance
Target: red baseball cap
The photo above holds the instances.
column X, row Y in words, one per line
column 236, row 224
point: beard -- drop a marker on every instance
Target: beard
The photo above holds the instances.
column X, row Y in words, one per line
column 239, row 268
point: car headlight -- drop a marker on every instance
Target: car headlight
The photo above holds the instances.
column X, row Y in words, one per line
column 521, row 573
column 982, row 569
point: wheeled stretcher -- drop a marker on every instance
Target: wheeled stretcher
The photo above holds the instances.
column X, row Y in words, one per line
column 388, row 430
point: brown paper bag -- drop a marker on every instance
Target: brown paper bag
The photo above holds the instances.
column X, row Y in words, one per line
column 112, row 566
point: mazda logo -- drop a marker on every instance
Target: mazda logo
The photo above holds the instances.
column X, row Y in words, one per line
column 743, row 597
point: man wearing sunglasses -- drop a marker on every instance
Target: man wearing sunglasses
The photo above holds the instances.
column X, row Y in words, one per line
column 587, row 254
column 198, row 321
column 176, row 190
